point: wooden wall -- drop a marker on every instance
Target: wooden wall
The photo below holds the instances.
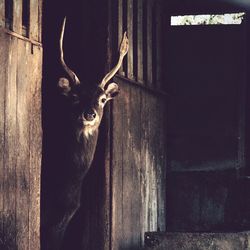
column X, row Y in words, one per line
column 20, row 130
column 138, row 132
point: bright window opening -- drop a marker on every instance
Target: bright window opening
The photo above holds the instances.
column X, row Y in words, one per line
column 224, row 19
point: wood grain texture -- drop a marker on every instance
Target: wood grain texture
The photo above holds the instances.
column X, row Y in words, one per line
column 149, row 43
column 35, row 142
column 17, row 16
column 158, row 45
column 4, row 49
column 120, row 29
column 34, row 20
column 138, row 167
column 130, row 30
column 10, row 219
column 140, row 41
column 2, row 13
column 20, row 143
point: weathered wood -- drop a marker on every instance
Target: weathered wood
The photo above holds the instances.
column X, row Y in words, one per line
column 17, row 16
column 149, row 43
column 130, row 22
column 117, row 174
column 2, row 13
column 20, row 140
column 158, row 47
column 35, row 142
column 40, row 9
column 22, row 145
column 201, row 241
column 34, row 20
column 4, row 59
column 140, row 41
column 120, row 29
column 138, row 167
column 9, row 212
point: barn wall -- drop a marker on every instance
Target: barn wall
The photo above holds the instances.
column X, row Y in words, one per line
column 20, row 131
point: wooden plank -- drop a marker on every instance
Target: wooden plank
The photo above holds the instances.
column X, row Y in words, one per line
column 159, row 45
column 40, row 10
column 4, row 50
column 17, row 16
column 130, row 21
column 9, row 212
column 34, row 20
column 2, row 13
column 117, row 173
column 22, row 145
column 140, row 41
column 149, row 43
column 120, row 30
column 131, row 170
column 35, row 141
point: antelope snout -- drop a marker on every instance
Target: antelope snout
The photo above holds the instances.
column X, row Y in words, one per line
column 89, row 114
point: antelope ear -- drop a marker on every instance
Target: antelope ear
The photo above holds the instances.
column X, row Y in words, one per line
column 64, row 85
column 112, row 90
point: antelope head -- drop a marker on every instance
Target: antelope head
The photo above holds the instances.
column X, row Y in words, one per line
column 88, row 104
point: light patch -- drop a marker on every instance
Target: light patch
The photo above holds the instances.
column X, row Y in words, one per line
column 223, row 19
column 89, row 127
column 100, row 103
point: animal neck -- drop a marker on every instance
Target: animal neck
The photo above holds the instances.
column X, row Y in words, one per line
column 84, row 150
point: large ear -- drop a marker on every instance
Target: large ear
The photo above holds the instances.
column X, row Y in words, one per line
column 64, row 85
column 111, row 90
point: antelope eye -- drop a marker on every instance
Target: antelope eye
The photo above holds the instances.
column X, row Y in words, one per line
column 103, row 100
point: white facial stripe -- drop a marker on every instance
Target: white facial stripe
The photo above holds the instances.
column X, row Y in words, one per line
column 101, row 98
column 91, row 126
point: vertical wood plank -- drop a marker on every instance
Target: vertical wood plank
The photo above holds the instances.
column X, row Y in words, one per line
column 149, row 43
column 130, row 73
column 35, row 144
column 40, row 9
column 17, row 16
column 159, row 45
column 120, row 29
column 2, row 13
column 140, row 41
column 10, row 148
column 22, row 145
column 34, row 20
column 117, row 176
column 3, row 73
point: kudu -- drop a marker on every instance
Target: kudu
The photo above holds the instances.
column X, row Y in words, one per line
column 61, row 199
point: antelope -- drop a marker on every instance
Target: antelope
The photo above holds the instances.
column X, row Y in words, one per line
column 85, row 110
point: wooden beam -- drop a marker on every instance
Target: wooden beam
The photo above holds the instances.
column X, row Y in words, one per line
column 140, row 41
column 2, row 13
column 40, row 10
column 17, row 16
column 34, row 20
column 120, row 30
column 10, row 152
column 159, row 45
column 149, row 43
column 130, row 21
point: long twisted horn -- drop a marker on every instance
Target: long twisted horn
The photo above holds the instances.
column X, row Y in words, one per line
column 123, row 52
column 72, row 75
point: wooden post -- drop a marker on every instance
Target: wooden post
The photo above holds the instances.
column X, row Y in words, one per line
column 130, row 20
column 120, row 29
column 17, row 16
column 2, row 14
column 159, row 46
column 140, row 41
column 149, row 44
column 34, row 20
